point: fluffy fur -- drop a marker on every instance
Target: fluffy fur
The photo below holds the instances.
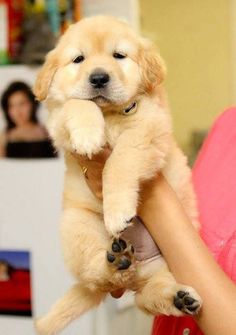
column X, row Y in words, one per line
column 82, row 119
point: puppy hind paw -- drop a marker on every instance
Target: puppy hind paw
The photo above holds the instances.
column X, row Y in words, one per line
column 41, row 327
column 121, row 255
column 187, row 303
column 46, row 326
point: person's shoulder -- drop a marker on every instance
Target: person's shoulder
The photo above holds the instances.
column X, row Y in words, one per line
column 42, row 128
column 221, row 140
column 40, row 131
column 223, row 127
column 226, row 118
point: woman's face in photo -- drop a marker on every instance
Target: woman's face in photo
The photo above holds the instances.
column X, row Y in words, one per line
column 19, row 108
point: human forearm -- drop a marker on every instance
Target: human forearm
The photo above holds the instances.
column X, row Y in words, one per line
column 188, row 257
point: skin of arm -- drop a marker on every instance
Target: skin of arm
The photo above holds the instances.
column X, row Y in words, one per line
column 188, row 257
column 186, row 254
column 2, row 145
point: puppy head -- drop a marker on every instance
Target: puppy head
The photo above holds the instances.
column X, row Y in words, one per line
column 152, row 66
column 99, row 59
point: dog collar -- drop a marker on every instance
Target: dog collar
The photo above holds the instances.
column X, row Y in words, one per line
column 131, row 109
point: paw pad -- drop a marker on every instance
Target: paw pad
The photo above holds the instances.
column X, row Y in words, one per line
column 121, row 254
column 185, row 303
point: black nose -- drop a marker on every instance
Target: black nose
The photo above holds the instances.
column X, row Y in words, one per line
column 99, row 79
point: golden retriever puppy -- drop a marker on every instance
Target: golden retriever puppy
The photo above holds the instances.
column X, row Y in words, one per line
column 102, row 87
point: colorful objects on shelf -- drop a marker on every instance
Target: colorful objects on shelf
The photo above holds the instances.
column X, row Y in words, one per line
column 51, row 17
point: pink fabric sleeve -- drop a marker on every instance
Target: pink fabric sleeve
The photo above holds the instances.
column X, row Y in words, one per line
column 214, row 178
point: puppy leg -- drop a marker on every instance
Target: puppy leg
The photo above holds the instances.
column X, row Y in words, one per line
column 78, row 127
column 85, row 244
column 121, row 254
column 74, row 303
column 135, row 157
column 162, row 295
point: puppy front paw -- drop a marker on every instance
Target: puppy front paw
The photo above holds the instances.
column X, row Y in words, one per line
column 119, row 212
column 121, row 254
column 116, row 223
column 85, row 125
column 87, row 141
column 187, row 301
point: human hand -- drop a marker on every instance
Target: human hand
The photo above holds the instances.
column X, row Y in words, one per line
column 93, row 169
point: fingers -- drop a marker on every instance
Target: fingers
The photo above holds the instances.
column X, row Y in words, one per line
column 102, row 156
column 97, row 159
column 93, row 168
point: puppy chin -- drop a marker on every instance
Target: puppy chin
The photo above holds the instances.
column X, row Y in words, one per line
column 102, row 101
column 104, row 98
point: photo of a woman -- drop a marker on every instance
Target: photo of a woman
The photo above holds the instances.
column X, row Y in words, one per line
column 24, row 136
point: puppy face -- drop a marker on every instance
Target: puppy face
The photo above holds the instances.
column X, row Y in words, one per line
column 99, row 59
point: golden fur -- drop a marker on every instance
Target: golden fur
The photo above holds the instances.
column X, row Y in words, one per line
column 82, row 120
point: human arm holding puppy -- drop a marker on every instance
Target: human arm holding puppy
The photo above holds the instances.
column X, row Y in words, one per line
column 183, row 250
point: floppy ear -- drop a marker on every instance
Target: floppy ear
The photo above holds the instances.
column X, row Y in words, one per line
column 45, row 76
column 152, row 65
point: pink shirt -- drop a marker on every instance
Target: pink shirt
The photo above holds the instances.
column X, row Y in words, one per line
column 214, row 177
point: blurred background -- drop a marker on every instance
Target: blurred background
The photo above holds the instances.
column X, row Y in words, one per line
column 197, row 40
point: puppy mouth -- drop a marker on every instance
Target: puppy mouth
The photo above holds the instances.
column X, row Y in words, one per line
column 101, row 100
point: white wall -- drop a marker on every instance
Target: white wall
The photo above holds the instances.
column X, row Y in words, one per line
column 30, row 207
column 124, row 9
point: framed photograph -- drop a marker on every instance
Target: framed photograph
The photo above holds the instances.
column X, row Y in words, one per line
column 15, row 283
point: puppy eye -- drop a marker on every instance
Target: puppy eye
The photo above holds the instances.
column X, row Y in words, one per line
column 119, row 55
column 78, row 59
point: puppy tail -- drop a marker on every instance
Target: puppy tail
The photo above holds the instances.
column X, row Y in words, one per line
column 74, row 303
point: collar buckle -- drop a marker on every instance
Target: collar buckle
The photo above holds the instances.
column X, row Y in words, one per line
column 131, row 109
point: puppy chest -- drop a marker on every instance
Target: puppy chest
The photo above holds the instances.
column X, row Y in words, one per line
column 113, row 129
column 115, row 125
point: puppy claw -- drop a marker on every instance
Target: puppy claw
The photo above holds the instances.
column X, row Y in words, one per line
column 120, row 226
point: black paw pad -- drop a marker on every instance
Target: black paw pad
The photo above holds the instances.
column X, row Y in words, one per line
column 119, row 245
column 185, row 303
column 124, row 264
column 121, row 254
column 110, row 257
column 181, row 294
column 189, row 301
column 178, row 303
column 129, row 221
column 116, row 247
column 122, row 244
